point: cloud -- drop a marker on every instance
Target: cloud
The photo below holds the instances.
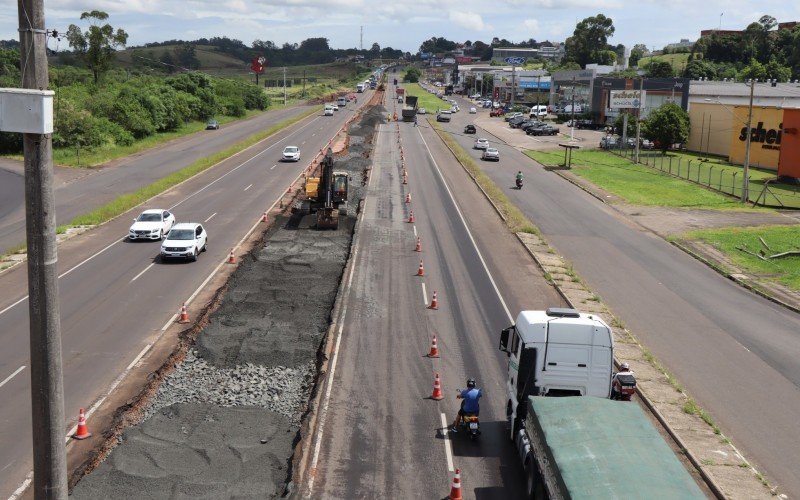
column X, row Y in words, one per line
column 468, row 20
column 576, row 4
column 531, row 27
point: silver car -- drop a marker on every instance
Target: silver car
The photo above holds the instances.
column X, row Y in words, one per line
column 481, row 143
column 490, row 154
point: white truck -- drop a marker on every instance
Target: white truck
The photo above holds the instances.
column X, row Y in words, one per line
column 557, row 352
column 360, row 87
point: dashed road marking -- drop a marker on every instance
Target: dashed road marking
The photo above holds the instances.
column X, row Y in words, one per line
column 424, row 295
column 16, row 372
column 143, row 271
column 210, row 217
column 248, row 187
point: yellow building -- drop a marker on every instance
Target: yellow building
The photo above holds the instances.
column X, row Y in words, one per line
column 710, row 130
column 766, row 132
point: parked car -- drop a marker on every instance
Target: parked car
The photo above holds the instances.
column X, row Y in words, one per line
column 647, row 144
column 608, row 142
column 470, row 129
column 212, row 125
column 481, row 143
column 543, row 130
column 184, row 241
column 151, row 224
column 490, row 154
column 509, row 116
column 530, row 127
column 516, row 121
column 422, row 111
column 472, row 111
column 443, row 116
column 497, row 112
column 291, row 153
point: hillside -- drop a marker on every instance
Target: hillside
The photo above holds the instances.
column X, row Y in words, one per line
column 678, row 61
column 208, row 57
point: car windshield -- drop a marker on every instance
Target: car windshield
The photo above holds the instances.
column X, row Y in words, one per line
column 490, row 150
column 181, row 234
column 290, row 149
column 149, row 218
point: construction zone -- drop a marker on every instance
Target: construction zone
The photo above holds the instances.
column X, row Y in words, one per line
column 227, row 416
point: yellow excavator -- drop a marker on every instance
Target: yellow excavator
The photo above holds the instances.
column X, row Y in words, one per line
column 327, row 194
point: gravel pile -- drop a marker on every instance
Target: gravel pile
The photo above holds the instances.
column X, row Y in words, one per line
column 279, row 389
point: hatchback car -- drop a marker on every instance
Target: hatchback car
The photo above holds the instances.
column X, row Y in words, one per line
column 470, row 129
column 184, row 241
column 422, row 111
column 481, row 143
column 152, row 224
column 212, row 125
column 472, row 110
column 291, row 153
column 490, row 154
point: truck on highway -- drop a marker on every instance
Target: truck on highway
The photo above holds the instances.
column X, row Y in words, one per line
column 360, row 87
column 410, row 108
column 573, row 446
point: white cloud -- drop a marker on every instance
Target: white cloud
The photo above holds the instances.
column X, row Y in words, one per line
column 576, row 4
column 531, row 27
column 468, row 20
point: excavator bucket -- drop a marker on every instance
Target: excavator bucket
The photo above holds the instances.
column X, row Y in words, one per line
column 328, row 218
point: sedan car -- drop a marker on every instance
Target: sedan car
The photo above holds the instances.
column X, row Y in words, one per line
column 422, row 111
column 470, row 129
column 291, row 153
column 472, row 110
column 212, row 125
column 543, row 130
column 509, row 116
column 151, row 225
column 490, row 154
column 184, row 241
column 481, row 143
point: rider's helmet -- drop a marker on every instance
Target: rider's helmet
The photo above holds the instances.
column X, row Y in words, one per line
column 471, row 383
column 624, row 367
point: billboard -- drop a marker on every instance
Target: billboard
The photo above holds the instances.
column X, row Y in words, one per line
column 515, row 61
column 533, row 84
column 623, row 99
column 766, row 135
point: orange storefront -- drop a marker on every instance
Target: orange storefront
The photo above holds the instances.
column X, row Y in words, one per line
column 789, row 163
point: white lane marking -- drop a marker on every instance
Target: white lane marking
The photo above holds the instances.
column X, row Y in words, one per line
column 171, row 208
column 312, row 135
column 424, row 295
column 248, row 187
column 302, row 143
column 466, row 228
column 210, row 217
column 273, row 166
column 139, row 356
column 22, row 487
column 448, row 452
column 16, row 372
column 415, row 230
column 141, row 273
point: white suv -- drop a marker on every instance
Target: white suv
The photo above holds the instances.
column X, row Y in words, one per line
column 152, row 224
column 184, row 241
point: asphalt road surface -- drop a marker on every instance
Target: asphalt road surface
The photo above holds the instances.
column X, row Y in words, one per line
column 382, row 434
column 127, row 174
column 736, row 353
column 117, row 296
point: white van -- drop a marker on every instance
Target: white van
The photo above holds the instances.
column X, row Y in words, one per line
column 342, row 101
column 538, row 111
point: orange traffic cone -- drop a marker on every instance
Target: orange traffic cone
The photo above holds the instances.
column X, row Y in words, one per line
column 434, row 302
column 418, row 247
column 411, row 217
column 455, row 490
column 231, row 258
column 408, row 197
column 434, row 349
column 82, row 432
column 264, row 217
column 437, row 389
column 421, row 270
column 184, row 315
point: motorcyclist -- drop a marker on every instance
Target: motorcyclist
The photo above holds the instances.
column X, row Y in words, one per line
column 616, row 385
column 519, row 177
column 469, row 405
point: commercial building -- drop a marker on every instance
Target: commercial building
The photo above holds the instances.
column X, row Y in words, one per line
column 572, row 86
column 555, row 53
column 657, row 91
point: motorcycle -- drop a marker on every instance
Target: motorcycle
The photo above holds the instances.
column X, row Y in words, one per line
column 624, row 387
column 469, row 422
column 519, row 183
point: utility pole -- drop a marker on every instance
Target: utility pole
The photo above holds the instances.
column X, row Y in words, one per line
column 572, row 130
column 47, row 386
column 284, row 86
column 513, row 83
column 639, row 117
column 745, row 172
column 538, row 89
column 304, row 84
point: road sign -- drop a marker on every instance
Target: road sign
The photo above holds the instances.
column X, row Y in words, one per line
column 515, row 61
column 257, row 64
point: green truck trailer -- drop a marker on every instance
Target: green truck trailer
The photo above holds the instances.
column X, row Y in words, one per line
column 588, row 447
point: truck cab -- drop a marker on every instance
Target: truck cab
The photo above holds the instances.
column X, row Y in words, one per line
column 557, row 352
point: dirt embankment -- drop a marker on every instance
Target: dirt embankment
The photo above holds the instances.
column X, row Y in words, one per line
column 225, row 421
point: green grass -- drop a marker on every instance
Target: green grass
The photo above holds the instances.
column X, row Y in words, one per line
column 636, row 184
column 678, row 61
column 429, row 101
column 130, row 200
column 779, row 238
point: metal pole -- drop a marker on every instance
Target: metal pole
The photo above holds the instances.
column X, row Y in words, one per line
column 513, row 83
column 745, row 176
column 304, row 84
column 572, row 130
column 639, row 118
column 284, row 86
column 47, row 386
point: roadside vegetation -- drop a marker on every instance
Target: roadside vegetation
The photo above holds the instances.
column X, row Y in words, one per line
column 785, row 271
column 636, row 184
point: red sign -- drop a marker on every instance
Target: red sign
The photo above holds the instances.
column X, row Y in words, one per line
column 257, row 65
column 463, row 60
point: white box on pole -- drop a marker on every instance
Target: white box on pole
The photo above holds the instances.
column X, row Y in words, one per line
column 27, row 111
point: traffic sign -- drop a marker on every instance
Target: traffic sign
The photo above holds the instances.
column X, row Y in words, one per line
column 515, row 61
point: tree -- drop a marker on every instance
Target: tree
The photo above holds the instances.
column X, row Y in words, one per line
column 637, row 52
column 168, row 61
column 375, row 50
column 754, row 71
column 698, row 68
column 659, row 69
column 589, row 39
column 412, row 75
column 606, row 57
column 631, row 132
column 667, row 125
column 776, row 71
column 187, row 57
column 98, row 44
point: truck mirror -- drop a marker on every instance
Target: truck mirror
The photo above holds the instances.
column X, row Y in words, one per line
column 504, row 335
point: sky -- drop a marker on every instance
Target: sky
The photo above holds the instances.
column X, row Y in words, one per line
column 400, row 24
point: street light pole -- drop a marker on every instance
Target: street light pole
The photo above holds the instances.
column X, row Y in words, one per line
column 572, row 130
column 745, row 172
column 639, row 117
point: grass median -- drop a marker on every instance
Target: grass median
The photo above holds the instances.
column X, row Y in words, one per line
column 784, row 270
column 515, row 219
column 637, row 184
column 429, row 101
column 127, row 201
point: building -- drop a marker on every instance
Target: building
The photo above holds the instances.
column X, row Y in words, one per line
column 657, row 91
column 556, row 53
column 685, row 43
column 572, row 86
column 781, row 26
column 789, row 163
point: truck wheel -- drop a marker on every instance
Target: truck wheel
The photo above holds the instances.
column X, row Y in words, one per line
column 534, row 488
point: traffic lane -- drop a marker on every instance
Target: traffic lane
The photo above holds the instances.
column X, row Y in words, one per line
column 12, row 192
column 115, row 350
column 720, row 339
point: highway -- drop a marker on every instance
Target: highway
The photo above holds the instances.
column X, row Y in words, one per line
column 381, row 434
column 736, row 353
column 117, row 297
column 96, row 187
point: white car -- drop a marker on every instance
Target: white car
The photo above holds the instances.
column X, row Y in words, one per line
column 151, row 225
column 481, row 143
column 472, row 111
column 184, row 241
column 422, row 111
column 291, row 153
column 334, row 106
column 491, row 154
column 328, row 111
